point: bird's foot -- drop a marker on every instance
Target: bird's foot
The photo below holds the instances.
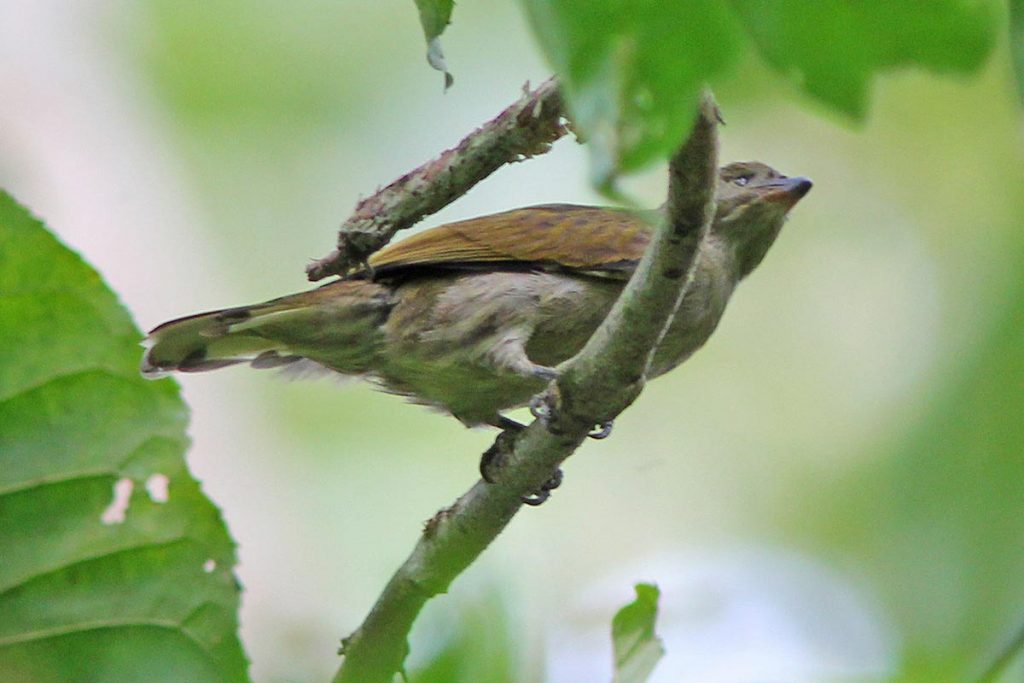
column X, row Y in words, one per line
column 544, row 372
column 544, row 492
column 493, row 459
column 541, row 408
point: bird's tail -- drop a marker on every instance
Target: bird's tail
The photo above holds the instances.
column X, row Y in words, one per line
column 337, row 325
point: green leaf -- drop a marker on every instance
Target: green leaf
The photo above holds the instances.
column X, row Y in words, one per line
column 1017, row 42
column 637, row 649
column 114, row 565
column 633, row 71
column 832, row 48
column 435, row 15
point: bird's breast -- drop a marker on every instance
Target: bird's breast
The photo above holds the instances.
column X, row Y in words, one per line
column 700, row 311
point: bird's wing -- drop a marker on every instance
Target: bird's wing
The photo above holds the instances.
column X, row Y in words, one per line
column 564, row 236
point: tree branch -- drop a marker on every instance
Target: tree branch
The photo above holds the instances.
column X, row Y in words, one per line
column 525, row 129
column 593, row 387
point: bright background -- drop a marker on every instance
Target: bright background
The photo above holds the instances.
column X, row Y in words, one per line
column 832, row 490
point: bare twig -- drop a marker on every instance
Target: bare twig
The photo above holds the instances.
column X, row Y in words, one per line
column 593, row 387
column 525, row 129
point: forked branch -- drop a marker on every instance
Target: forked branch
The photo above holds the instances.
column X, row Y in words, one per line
column 593, row 387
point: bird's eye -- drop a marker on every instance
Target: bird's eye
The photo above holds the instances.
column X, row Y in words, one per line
column 741, row 180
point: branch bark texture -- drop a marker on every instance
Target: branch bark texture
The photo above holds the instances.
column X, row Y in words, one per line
column 525, row 129
column 592, row 388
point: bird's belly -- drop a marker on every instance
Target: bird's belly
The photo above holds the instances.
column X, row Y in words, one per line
column 446, row 335
column 472, row 392
column 443, row 334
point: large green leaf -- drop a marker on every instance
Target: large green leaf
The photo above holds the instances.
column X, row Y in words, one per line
column 633, row 70
column 113, row 565
column 637, row 648
column 831, row 48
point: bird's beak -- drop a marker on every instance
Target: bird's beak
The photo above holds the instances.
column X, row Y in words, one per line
column 787, row 191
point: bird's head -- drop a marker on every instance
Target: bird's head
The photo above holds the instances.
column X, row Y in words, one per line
column 752, row 201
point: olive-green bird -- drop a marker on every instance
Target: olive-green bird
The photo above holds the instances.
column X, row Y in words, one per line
column 473, row 317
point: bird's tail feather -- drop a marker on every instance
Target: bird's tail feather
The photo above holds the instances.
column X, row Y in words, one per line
column 206, row 341
column 337, row 324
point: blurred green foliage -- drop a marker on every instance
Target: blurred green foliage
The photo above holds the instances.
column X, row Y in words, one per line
column 633, row 70
column 635, row 646
column 940, row 520
column 473, row 644
column 1017, row 42
column 97, row 586
column 833, row 49
column 434, row 17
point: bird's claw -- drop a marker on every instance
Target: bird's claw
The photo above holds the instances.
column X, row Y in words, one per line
column 544, row 492
column 489, row 463
column 539, row 408
column 603, row 430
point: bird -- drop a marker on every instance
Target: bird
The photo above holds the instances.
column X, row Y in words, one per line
column 474, row 317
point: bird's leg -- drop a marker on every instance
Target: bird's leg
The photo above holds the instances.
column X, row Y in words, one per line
column 509, row 425
column 509, row 354
column 493, row 458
